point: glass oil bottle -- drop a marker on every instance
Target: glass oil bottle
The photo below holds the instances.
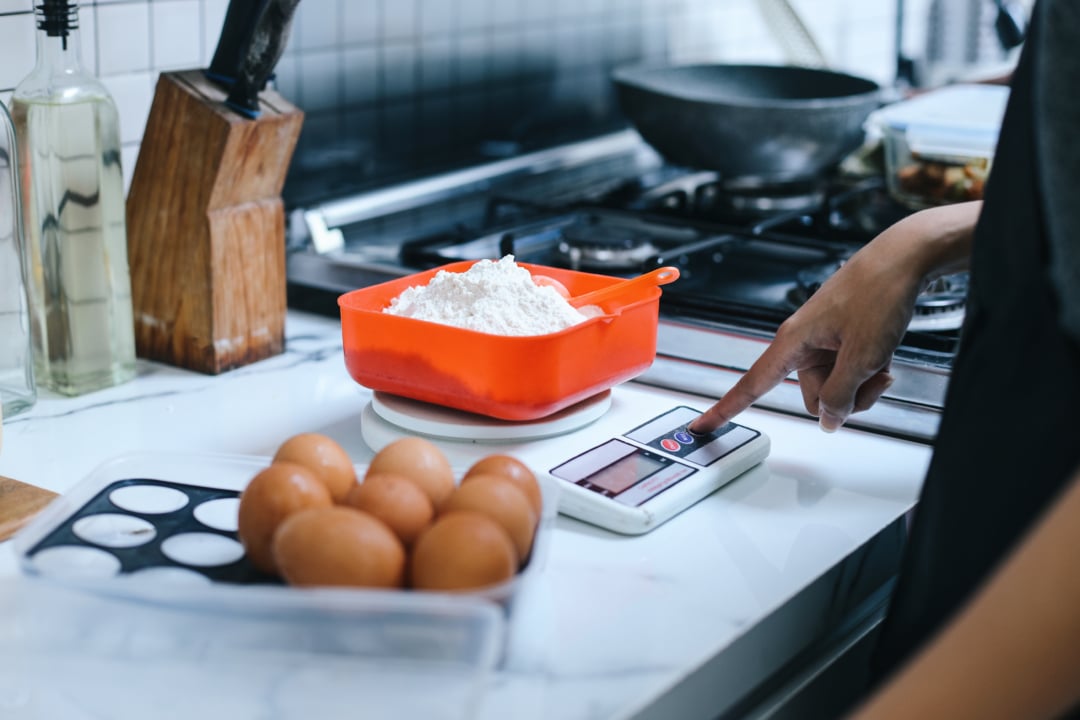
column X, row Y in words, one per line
column 17, row 388
column 67, row 128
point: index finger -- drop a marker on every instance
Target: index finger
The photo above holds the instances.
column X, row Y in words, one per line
column 767, row 372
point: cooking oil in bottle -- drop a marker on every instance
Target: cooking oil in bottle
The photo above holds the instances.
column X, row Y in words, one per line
column 73, row 199
column 18, row 390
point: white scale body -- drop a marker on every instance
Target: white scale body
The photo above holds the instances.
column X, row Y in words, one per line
column 622, row 460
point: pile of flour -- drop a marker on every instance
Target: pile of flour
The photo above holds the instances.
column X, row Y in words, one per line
column 496, row 297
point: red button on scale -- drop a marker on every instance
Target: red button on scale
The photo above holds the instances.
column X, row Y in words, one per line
column 670, row 445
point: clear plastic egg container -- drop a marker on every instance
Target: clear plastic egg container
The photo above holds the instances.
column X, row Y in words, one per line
column 153, row 537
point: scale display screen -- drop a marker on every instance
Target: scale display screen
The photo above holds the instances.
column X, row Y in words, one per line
column 632, row 474
column 626, row 473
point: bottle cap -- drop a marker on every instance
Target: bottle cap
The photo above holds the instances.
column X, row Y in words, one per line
column 57, row 17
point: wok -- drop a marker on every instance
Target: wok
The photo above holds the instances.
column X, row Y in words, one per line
column 754, row 124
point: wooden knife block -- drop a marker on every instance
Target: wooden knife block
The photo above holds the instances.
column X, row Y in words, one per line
column 206, row 227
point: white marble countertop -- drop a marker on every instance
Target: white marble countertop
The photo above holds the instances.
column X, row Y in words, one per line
column 682, row 621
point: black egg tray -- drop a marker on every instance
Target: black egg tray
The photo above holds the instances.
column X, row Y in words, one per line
column 166, row 525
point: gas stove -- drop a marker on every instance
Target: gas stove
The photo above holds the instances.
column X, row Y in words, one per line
column 748, row 256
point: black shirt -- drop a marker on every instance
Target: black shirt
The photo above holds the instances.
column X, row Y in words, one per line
column 1009, row 439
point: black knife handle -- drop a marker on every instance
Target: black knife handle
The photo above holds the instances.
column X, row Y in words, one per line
column 267, row 43
column 235, row 38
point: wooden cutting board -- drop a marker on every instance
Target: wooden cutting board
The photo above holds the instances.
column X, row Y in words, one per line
column 19, row 502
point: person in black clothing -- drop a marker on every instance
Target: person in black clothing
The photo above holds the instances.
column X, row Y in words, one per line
column 985, row 619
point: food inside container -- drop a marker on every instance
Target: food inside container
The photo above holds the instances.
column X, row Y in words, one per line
column 497, row 297
column 506, row 377
column 939, row 146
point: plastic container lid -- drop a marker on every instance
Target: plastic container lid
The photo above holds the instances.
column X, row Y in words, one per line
column 956, row 120
column 109, row 619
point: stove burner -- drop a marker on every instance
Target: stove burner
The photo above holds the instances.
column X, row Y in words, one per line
column 593, row 245
column 706, row 195
column 682, row 194
column 940, row 305
column 752, row 200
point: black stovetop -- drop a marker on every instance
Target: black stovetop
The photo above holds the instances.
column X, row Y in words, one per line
column 747, row 263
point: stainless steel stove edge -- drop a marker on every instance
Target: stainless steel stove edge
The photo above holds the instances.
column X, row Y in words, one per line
column 709, row 361
column 319, row 226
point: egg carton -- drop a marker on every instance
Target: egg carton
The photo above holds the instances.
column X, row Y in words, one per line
column 175, row 532
column 155, row 535
column 141, row 517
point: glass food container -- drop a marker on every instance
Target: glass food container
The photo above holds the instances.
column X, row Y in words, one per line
column 939, row 146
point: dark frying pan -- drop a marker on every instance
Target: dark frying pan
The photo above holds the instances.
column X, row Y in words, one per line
column 754, row 124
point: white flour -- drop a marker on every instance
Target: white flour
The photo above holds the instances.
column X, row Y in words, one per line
column 499, row 298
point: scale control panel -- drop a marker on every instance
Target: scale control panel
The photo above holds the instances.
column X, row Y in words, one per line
column 659, row 457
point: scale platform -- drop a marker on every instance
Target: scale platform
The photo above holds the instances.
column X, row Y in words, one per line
column 621, row 460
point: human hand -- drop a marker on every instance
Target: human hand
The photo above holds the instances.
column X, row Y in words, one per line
column 841, row 341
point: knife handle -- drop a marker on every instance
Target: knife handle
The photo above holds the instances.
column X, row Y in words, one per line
column 235, row 40
column 271, row 33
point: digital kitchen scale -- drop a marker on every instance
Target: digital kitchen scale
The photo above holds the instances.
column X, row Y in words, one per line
column 623, row 461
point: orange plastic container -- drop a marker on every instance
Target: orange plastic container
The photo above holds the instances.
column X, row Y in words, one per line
column 505, row 377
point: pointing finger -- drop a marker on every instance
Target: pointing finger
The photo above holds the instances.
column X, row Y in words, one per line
column 770, row 369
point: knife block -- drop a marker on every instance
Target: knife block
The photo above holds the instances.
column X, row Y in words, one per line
column 206, row 227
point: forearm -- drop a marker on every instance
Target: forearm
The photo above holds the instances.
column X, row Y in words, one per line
column 935, row 242
column 1014, row 651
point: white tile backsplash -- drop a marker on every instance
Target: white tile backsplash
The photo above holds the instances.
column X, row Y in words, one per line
column 472, row 54
column 474, row 14
column 360, row 21
column 287, row 77
column 405, row 64
column 397, row 71
column 507, row 12
column 316, row 24
column 133, row 93
column 436, row 64
column 398, row 19
column 177, row 34
column 123, row 35
column 361, row 75
column 437, row 17
column 320, row 75
column 88, row 37
column 16, row 48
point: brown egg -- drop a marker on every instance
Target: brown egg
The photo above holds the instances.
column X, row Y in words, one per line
column 397, row 501
column 462, row 551
column 338, row 546
column 502, row 501
column 515, row 470
column 422, row 462
column 274, row 494
column 324, row 457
